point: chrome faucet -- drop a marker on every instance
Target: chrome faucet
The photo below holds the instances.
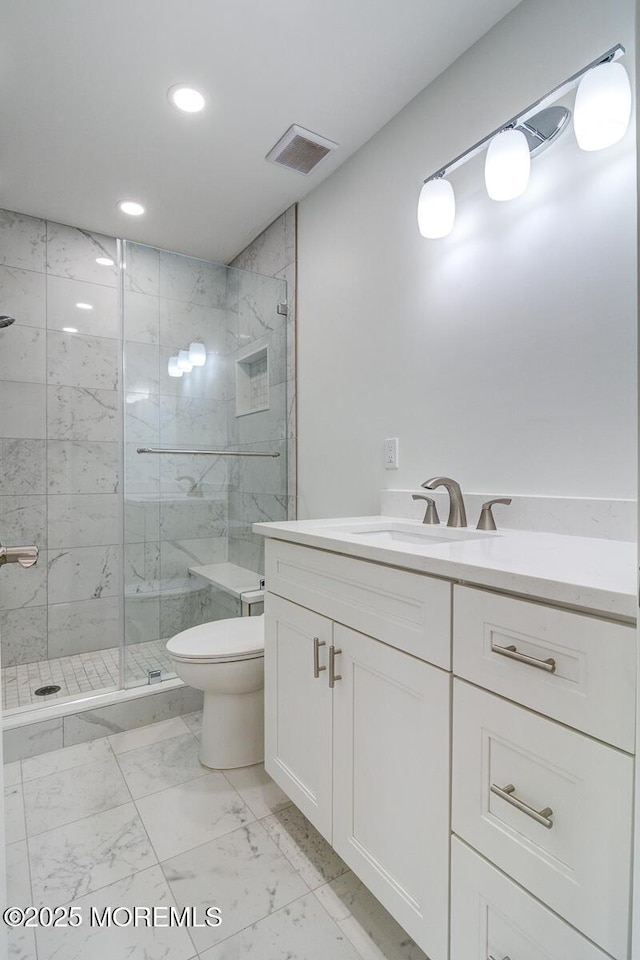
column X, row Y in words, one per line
column 457, row 512
column 25, row 556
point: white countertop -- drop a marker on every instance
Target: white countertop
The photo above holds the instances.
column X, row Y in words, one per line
column 591, row 574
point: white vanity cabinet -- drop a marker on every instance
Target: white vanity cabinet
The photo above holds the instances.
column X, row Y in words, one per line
column 367, row 760
column 473, row 759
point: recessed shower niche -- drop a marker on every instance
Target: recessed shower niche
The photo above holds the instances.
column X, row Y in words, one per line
column 252, row 382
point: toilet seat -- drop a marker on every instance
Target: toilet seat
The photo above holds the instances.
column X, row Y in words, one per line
column 222, row 641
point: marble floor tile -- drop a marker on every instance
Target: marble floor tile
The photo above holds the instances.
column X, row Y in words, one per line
column 147, row 888
column 311, row 855
column 71, row 861
column 59, row 760
column 243, row 873
column 194, row 722
column 161, row 765
column 61, row 798
column 21, row 942
column 191, row 814
column 12, row 773
column 145, row 736
column 14, row 821
column 299, row 931
column 363, row 919
column 257, row 789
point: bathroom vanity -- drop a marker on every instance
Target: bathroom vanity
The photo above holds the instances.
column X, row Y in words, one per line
column 455, row 713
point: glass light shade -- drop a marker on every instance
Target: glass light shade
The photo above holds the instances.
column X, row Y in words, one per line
column 174, row 369
column 436, row 209
column 197, row 354
column 602, row 109
column 507, row 165
column 183, row 361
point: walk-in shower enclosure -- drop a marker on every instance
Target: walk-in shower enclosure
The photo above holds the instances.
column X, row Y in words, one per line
column 84, row 386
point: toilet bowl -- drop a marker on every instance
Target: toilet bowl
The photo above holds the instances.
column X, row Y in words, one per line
column 225, row 659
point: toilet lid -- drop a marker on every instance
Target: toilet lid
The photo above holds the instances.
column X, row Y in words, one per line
column 235, row 639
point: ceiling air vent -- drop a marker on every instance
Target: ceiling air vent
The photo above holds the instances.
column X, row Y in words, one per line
column 300, row 150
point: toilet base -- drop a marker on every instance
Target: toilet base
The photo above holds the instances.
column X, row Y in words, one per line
column 232, row 730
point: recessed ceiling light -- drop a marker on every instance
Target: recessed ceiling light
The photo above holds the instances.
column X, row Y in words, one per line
column 69, row 330
column 131, row 207
column 105, row 261
column 186, row 98
column 84, row 306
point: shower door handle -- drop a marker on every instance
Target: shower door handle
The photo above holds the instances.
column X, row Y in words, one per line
column 25, row 556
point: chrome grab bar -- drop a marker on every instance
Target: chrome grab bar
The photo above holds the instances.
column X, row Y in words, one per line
column 508, row 793
column 512, row 653
column 208, row 453
column 25, row 556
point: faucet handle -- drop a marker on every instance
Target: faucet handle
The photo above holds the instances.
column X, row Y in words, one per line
column 487, row 521
column 431, row 515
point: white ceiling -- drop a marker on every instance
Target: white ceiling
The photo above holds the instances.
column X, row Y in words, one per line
column 84, row 118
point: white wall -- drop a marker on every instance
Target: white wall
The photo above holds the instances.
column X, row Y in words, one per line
column 503, row 355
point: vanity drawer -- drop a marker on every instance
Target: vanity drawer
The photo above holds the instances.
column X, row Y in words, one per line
column 579, row 863
column 409, row 611
column 592, row 685
column 493, row 917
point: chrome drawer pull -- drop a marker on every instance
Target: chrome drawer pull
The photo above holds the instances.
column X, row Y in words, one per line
column 508, row 793
column 512, row 652
column 333, row 676
column 317, row 669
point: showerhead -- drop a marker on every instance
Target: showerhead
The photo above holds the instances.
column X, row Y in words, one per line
column 6, row 321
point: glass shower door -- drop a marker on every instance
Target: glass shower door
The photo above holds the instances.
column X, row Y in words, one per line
column 203, row 349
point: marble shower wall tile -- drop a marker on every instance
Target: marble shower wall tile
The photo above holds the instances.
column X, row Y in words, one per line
column 209, row 381
column 79, row 361
column 192, row 281
column 141, row 519
column 105, row 721
column 30, row 740
column 141, row 317
column 142, row 419
column 23, row 410
column 23, row 354
column 83, row 626
column 186, row 420
column 193, row 517
column 24, row 520
column 142, row 269
column 260, row 474
column 23, row 467
column 81, row 466
column 184, row 475
column 141, row 567
column 23, row 295
column 142, row 366
column 24, row 588
column 22, row 241
column 72, row 253
column 83, row 520
column 178, row 555
column 141, row 618
column 79, row 413
column 182, row 322
column 63, row 295
column 23, row 635
column 83, row 573
column 142, row 471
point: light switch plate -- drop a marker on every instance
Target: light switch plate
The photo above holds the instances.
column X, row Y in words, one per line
column 391, row 453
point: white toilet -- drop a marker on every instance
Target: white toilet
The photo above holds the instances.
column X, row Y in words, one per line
column 225, row 659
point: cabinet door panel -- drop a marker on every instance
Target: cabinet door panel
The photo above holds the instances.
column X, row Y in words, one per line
column 391, row 782
column 298, row 721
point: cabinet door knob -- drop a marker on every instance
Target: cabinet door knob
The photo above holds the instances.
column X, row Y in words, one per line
column 333, row 676
column 512, row 653
column 317, row 669
column 508, row 793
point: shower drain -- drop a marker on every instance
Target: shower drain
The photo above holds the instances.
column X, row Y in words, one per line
column 46, row 691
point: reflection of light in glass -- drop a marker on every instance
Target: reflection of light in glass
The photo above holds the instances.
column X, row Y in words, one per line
column 197, row 354
column 69, row 329
column 174, row 369
column 184, row 363
column 136, row 397
column 84, row 306
column 105, row 261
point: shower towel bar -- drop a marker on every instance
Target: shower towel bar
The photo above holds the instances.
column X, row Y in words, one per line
column 208, row 453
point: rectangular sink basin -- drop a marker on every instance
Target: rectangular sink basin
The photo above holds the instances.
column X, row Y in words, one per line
column 396, row 532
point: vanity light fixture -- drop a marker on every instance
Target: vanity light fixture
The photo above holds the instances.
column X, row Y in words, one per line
column 105, row 261
column 174, row 369
column 602, row 113
column 197, row 354
column 183, row 361
column 186, row 98
column 131, row 207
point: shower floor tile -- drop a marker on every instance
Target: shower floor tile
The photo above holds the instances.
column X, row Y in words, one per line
column 81, row 673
